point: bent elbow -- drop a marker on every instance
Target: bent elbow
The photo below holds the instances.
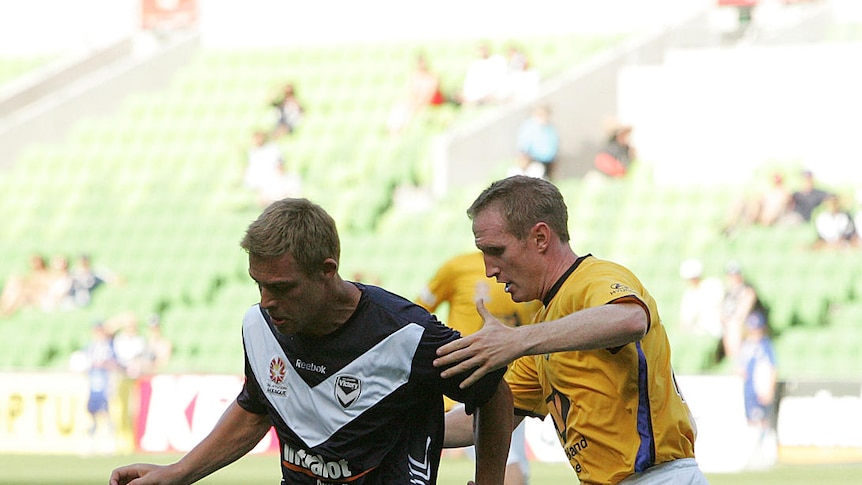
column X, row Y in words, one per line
column 637, row 324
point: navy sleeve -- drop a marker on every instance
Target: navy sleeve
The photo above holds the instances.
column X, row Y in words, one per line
column 250, row 397
column 437, row 335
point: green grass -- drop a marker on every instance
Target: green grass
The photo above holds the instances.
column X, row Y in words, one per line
column 263, row 469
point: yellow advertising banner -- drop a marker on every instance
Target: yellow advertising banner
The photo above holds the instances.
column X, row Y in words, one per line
column 47, row 413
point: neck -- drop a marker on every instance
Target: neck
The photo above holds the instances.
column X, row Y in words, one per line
column 344, row 302
column 561, row 258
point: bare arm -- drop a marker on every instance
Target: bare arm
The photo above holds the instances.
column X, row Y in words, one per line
column 496, row 345
column 459, row 428
column 493, row 433
column 235, row 434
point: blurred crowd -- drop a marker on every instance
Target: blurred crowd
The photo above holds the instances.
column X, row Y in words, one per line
column 835, row 218
column 54, row 284
column 116, row 355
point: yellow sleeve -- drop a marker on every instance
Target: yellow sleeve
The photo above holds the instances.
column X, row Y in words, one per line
column 438, row 289
column 527, row 393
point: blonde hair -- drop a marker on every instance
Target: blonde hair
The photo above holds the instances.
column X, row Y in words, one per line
column 297, row 227
column 525, row 201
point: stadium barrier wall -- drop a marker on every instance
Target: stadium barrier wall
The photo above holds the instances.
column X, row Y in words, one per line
column 714, row 116
column 817, row 421
column 46, row 413
column 177, row 411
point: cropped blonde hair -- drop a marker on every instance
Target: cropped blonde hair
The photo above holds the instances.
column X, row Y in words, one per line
column 297, row 227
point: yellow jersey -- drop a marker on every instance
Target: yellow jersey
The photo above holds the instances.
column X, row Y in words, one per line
column 617, row 411
column 461, row 282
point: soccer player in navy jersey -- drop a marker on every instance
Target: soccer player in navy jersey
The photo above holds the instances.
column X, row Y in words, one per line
column 342, row 370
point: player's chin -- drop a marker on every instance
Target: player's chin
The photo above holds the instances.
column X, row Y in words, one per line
column 513, row 292
column 284, row 327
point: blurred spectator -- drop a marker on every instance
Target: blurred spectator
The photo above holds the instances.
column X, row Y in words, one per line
column 20, row 291
column 58, row 293
column 807, row 198
column 265, row 172
column 538, row 142
column 484, row 78
column 159, row 348
column 700, row 306
column 757, row 366
column 85, row 280
column 289, row 111
column 521, row 81
column 857, row 215
column 100, row 362
column 423, row 90
column 282, row 184
column 129, row 345
column 618, row 154
column 834, row 225
column 525, row 166
column 766, row 208
column 739, row 301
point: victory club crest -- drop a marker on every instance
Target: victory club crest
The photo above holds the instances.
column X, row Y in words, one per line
column 347, row 389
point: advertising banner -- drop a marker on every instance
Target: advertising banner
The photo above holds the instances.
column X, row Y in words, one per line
column 820, row 422
column 47, row 413
column 177, row 411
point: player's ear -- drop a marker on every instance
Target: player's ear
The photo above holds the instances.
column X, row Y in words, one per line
column 329, row 267
column 540, row 235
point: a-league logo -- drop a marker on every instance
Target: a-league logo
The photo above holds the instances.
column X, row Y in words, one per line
column 277, row 370
column 347, row 389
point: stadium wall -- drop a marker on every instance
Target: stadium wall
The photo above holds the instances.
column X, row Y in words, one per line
column 93, row 86
column 717, row 115
column 818, row 421
column 581, row 101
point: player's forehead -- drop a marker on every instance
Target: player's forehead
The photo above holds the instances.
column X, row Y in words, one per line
column 490, row 230
column 273, row 269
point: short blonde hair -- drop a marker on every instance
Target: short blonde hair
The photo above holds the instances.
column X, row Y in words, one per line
column 297, row 227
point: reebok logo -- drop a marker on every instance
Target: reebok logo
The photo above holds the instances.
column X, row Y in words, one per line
column 320, row 369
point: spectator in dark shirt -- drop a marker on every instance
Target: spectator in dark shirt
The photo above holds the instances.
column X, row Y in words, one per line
column 806, row 199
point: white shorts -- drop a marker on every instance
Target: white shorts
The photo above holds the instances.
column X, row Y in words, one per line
column 678, row 472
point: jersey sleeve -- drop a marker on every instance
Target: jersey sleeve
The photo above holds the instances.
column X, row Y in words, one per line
column 527, row 393
column 437, row 335
column 250, row 396
column 438, row 289
column 613, row 285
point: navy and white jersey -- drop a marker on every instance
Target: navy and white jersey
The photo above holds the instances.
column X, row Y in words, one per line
column 362, row 405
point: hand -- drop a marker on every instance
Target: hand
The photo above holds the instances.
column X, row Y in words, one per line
column 139, row 474
column 492, row 347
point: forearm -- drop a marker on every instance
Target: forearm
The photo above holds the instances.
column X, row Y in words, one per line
column 602, row 327
column 493, row 433
column 459, row 428
column 236, row 433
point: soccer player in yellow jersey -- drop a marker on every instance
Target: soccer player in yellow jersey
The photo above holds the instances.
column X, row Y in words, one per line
column 461, row 283
column 599, row 361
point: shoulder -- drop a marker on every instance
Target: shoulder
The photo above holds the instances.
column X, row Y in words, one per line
column 384, row 303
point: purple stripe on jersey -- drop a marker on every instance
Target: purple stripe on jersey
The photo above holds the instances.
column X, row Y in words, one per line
column 646, row 450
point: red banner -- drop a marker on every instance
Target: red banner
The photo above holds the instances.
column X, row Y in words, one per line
column 177, row 411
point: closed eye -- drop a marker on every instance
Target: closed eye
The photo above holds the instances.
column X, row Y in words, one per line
column 493, row 251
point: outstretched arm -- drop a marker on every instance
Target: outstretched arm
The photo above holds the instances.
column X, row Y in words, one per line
column 496, row 345
column 493, row 433
column 235, row 434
